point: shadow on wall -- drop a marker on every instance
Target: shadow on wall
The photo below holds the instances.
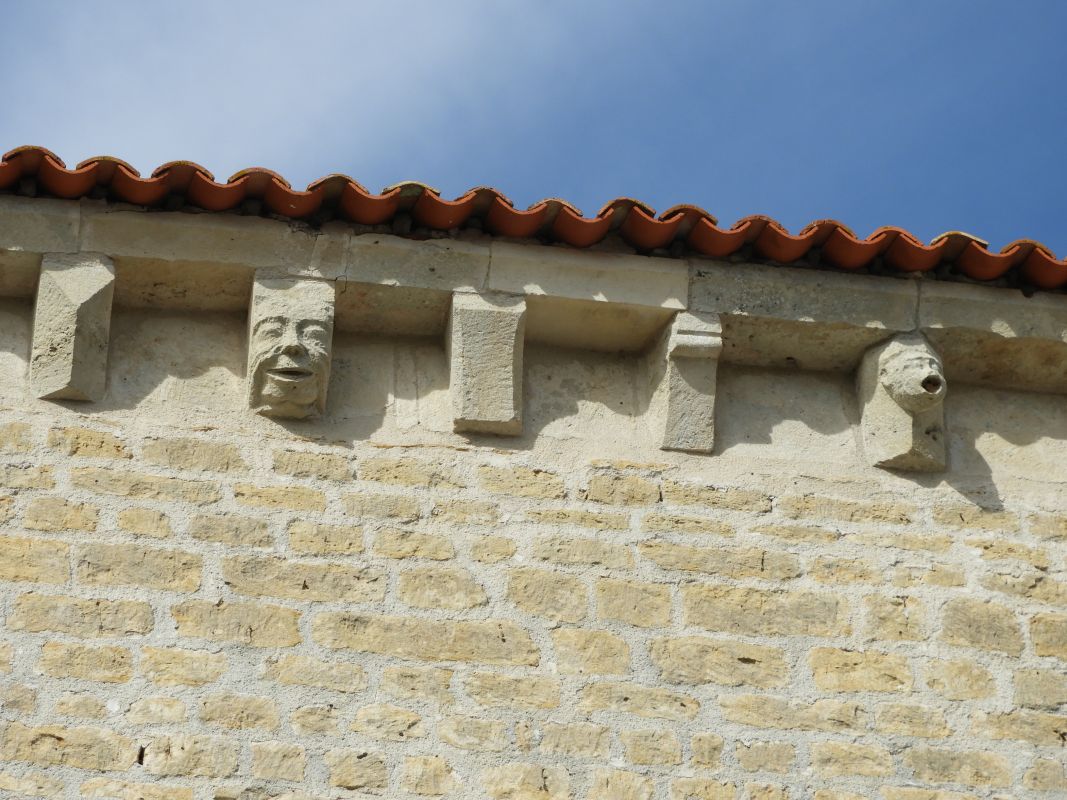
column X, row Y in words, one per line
column 189, row 367
column 16, row 332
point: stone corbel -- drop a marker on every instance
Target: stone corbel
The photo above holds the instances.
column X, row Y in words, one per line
column 682, row 371
column 72, row 326
column 901, row 385
column 485, row 338
column 290, row 343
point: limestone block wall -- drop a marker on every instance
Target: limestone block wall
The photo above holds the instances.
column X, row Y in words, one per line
column 198, row 602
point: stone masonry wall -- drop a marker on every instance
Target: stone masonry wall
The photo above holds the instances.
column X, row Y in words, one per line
column 198, row 611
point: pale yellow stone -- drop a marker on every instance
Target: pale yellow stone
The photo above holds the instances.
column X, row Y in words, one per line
column 423, row 683
column 103, row 664
column 384, row 506
column 684, row 523
column 1041, row 688
column 56, row 514
column 622, row 490
column 733, row 609
column 977, row 623
column 15, row 437
column 761, row 711
column 125, row 790
column 325, row 540
column 701, row 789
column 696, row 660
column 314, row 719
column 485, row 641
column 729, row 498
column 707, row 749
column 766, row 756
column 34, row 560
column 255, row 624
column 239, row 712
column 522, row 482
column 320, row 466
column 298, row 670
column 85, row 706
column 554, row 595
column 472, row 733
column 969, row 767
column 960, row 680
column 440, row 587
column 492, row 549
column 642, row 701
column 55, row 745
column 196, row 756
column 1049, row 634
column 577, row 552
column 87, row 443
column 911, row 720
column 195, row 455
column 580, row 518
column 895, row 619
column 389, row 722
column 727, row 562
column 427, row 775
column 394, row 543
column 617, row 784
column 651, row 747
column 509, row 691
column 171, row 666
column 130, row 565
column 526, row 782
column 155, row 711
column 1046, row 775
column 280, row 760
column 408, row 472
column 357, row 769
column 230, row 529
column 820, row 507
column 25, row 477
column 646, row 605
column 292, row 498
column 1033, row 727
column 274, row 576
column 580, row 651
column 577, row 740
column 834, row 759
column 838, row 670
column 465, row 512
column 80, row 617
column 144, row 522
column 141, row 486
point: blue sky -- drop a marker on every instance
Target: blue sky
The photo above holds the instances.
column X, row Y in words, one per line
column 934, row 115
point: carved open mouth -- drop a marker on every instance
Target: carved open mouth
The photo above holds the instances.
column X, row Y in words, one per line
column 289, row 373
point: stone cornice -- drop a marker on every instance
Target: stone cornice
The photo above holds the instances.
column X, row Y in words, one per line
column 384, row 284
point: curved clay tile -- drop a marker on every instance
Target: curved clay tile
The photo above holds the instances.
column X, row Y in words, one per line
column 645, row 232
column 1043, row 270
column 503, row 219
column 843, row 250
column 777, row 244
column 432, row 211
column 361, row 206
column 635, row 221
column 578, row 231
column 710, row 240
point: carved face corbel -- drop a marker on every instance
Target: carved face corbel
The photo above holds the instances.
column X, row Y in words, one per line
column 902, row 387
column 290, row 327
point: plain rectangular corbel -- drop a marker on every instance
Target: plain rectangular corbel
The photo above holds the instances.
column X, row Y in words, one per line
column 485, row 338
column 682, row 371
column 72, row 327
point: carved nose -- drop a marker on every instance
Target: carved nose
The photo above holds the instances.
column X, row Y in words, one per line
column 292, row 348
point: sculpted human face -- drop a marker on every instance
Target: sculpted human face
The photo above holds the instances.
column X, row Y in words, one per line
column 913, row 375
column 290, row 338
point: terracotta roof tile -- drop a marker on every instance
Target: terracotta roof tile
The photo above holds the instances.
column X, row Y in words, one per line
column 552, row 219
